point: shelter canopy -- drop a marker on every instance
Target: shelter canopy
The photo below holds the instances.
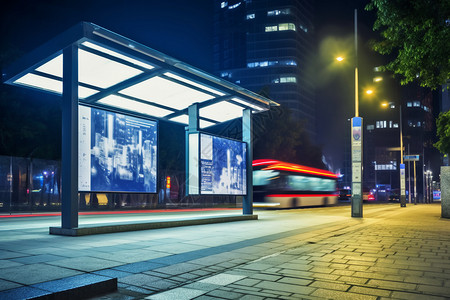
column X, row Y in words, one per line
column 117, row 73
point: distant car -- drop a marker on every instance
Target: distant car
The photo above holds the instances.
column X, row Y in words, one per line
column 345, row 195
column 394, row 197
column 368, row 196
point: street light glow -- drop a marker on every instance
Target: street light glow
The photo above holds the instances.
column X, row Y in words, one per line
column 339, row 58
column 369, row 92
column 378, row 79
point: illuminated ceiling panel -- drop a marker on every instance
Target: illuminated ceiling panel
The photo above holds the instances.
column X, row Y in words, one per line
column 118, row 55
column 139, row 107
column 40, row 82
column 102, row 72
column 245, row 103
column 195, row 84
column 165, row 92
column 53, row 67
column 184, row 119
column 221, row 111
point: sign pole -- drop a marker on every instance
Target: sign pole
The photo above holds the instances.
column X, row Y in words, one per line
column 357, row 149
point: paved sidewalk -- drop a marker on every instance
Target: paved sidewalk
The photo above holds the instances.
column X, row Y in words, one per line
column 393, row 252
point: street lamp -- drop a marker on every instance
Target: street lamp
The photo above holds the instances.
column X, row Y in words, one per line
column 356, row 138
column 402, row 165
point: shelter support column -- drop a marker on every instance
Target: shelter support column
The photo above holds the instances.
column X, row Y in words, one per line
column 192, row 176
column 69, row 159
column 247, row 130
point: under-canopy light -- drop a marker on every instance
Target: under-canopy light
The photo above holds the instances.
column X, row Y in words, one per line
column 184, row 119
column 165, row 92
column 102, row 72
column 53, row 67
column 221, row 111
column 136, row 106
column 255, row 107
column 194, row 84
column 118, row 55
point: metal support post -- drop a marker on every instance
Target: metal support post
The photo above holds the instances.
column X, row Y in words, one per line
column 247, row 126
column 69, row 159
column 192, row 176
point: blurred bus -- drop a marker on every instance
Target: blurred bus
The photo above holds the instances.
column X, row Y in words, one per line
column 279, row 184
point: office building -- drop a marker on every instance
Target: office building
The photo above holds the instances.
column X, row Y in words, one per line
column 266, row 46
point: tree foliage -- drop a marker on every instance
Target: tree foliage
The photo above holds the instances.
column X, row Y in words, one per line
column 417, row 33
column 443, row 132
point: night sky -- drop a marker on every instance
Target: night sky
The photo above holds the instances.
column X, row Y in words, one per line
column 183, row 29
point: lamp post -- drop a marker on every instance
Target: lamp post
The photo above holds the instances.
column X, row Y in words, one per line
column 357, row 141
column 402, row 165
column 356, row 138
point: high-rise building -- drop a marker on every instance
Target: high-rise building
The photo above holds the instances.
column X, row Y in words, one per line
column 266, row 46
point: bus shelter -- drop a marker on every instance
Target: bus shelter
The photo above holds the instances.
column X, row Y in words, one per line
column 105, row 78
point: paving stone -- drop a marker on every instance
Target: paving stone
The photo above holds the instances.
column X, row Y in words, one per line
column 178, row 293
column 352, row 280
column 433, row 290
column 391, row 284
column 277, row 286
column 370, row 291
column 296, row 281
column 333, row 294
column 225, row 294
column 35, row 273
column 6, row 285
column 247, row 282
column 415, row 296
column 330, row 285
column 222, row 279
column 87, row 264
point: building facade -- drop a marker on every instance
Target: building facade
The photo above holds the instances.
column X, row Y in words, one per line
column 266, row 46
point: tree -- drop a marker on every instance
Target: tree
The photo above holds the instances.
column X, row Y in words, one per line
column 443, row 132
column 417, row 33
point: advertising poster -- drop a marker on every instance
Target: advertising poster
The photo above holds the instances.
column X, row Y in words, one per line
column 117, row 153
column 223, row 168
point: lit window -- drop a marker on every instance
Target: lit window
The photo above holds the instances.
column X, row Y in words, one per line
column 286, row 26
column 418, row 124
column 250, row 16
column 395, row 125
column 370, row 127
column 271, row 28
column 390, row 124
column 409, row 104
column 416, row 103
column 276, row 12
column 384, row 123
column 285, row 79
column 223, row 4
column 303, row 28
column 234, row 6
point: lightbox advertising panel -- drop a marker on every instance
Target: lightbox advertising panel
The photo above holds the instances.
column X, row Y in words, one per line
column 116, row 152
column 223, row 169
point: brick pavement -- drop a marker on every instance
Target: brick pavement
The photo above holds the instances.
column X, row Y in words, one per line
column 404, row 253
column 392, row 253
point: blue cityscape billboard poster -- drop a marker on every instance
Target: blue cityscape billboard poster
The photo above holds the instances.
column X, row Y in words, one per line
column 223, row 167
column 117, row 153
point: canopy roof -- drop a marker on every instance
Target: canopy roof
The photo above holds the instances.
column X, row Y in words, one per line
column 117, row 73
